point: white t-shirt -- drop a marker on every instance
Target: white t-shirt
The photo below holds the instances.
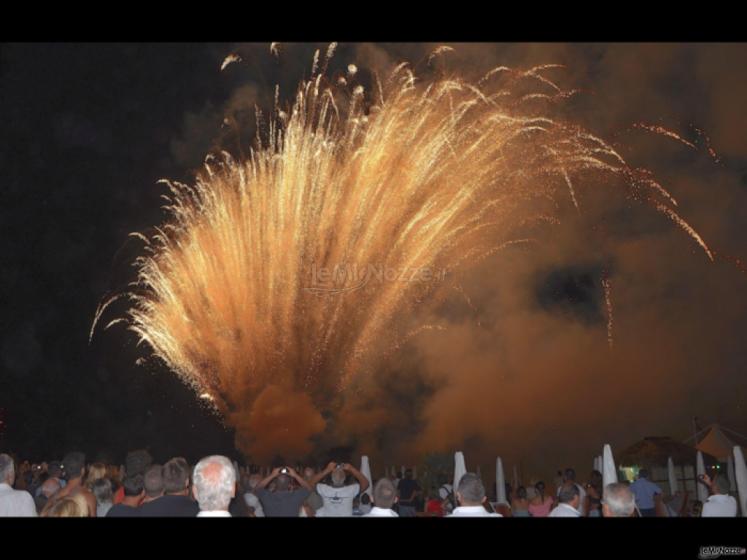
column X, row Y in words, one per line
column 381, row 512
column 565, row 510
column 338, row 502
column 214, row 514
column 472, row 511
column 16, row 503
column 720, row 505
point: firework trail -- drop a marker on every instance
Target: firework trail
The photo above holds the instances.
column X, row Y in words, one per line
column 425, row 177
column 607, row 286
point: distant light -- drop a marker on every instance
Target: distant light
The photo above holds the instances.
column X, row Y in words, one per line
column 207, row 397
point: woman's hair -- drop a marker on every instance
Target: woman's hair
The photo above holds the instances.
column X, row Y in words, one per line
column 95, row 472
column 71, row 506
column 540, row 486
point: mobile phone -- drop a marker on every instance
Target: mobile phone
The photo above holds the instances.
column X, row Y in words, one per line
column 284, row 470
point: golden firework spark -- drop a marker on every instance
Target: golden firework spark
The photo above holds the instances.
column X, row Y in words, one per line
column 416, row 177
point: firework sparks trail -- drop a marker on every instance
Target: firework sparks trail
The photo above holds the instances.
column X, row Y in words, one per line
column 419, row 177
column 607, row 286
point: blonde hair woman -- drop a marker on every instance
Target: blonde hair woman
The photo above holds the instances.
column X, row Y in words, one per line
column 95, row 472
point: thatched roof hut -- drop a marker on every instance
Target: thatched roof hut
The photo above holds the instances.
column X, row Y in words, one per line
column 654, row 452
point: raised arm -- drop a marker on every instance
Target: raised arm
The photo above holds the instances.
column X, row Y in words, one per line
column 317, row 478
column 293, row 474
column 362, row 480
column 265, row 481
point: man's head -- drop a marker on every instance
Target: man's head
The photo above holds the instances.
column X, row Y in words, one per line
column 7, row 469
column 408, row 474
column 721, row 484
column 137, row 462
column 102, row 490
column 214, row 483
column 50, row 487
column 308, row 473
column 470, row 491
column 133, row 485
column 74, row 464
column 55, row 469
column 569, row 494
column 175, row 476
column 569, row 475
column 282, row 483
column 153, row 481
column 384, row 494
column 338, row 477
column 618, row 501
column 643, row 473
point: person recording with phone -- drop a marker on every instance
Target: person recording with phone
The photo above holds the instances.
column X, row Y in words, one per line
column 338, row 497
column 284, row 501
column 719, row 503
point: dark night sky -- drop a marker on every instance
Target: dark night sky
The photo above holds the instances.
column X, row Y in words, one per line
column 89, row 129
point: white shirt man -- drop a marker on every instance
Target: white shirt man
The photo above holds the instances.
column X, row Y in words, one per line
column 381, row 512
column 384, row 497
column 214, row 485
column 570, row 478
column 720, row 505
column 565, row 510
column 338, row 501
column 569, row 500
column 13, row 503
column 470, row 495
column 472, row 511
column 338, row 498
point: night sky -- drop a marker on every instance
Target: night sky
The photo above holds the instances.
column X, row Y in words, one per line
column 90, row 128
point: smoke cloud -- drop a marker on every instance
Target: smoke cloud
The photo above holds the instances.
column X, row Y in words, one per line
column 520, row 365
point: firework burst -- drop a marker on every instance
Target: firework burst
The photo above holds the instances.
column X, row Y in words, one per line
column 422, row 177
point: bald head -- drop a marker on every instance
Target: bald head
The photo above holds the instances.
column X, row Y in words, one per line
column 214, row 483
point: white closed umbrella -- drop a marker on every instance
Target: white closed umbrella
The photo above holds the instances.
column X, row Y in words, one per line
column 740, row 473
column 672, row 477
column 500, row 483
column 700, row 470
column 730, row 474
column 366, row 470
column 609, row 471
column 459, row 469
